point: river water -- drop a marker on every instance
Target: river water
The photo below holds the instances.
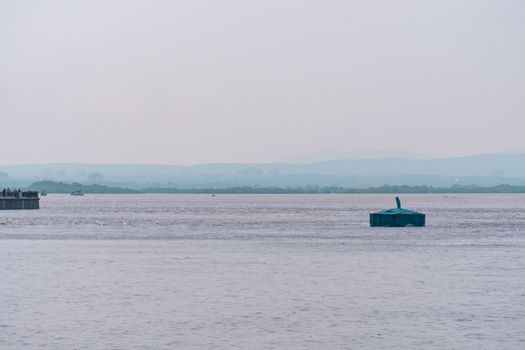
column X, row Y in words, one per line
column 262, row 272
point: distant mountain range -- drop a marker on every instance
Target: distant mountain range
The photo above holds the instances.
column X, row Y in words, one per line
column 329, row 155
column 482, row 170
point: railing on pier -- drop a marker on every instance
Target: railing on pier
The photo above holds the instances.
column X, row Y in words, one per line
column 18, row 194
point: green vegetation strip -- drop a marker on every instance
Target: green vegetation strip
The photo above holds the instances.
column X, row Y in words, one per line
column 60, row 187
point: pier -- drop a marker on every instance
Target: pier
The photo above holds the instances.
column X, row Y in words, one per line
column 19, row 199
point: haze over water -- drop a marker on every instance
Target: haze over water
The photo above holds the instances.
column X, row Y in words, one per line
column 264, row 272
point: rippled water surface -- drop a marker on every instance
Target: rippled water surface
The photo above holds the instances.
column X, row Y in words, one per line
column 262, row 272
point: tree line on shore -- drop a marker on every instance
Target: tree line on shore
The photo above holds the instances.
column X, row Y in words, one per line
column 61, row 187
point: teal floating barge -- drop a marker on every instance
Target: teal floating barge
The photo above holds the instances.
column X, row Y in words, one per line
column 18, row 199
column 397, row 217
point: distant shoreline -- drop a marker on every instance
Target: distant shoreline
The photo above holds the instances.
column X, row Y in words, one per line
column 65, row 188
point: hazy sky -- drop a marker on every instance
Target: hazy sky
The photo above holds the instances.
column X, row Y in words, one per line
column 222, row 81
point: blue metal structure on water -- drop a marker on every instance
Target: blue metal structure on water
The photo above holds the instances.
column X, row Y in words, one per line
column 397, row 217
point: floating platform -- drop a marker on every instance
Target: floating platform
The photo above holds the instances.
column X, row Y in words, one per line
column 397, row 217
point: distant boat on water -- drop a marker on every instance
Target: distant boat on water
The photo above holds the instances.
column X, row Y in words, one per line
column 77, row 193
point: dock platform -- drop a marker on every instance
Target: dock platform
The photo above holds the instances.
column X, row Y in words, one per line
column 18, row 199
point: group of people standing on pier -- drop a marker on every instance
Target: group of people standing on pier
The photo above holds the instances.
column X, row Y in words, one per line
column 9, row 193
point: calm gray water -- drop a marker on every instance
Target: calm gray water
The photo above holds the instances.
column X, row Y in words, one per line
column 262, row 272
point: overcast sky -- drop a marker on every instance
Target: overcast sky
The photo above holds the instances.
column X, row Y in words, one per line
column 180, row 82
